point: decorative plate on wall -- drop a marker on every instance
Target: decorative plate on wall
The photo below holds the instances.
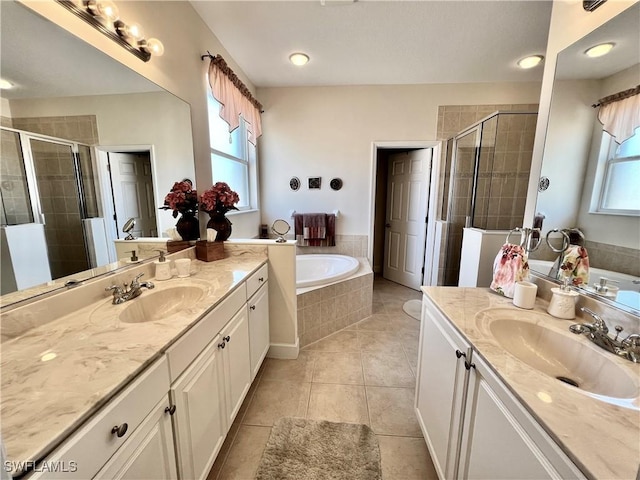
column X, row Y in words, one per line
column 314, row 182
column 294, row 183
column 336, row 183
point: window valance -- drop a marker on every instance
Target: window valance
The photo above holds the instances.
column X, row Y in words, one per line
column 235, row 98
column 620, row 114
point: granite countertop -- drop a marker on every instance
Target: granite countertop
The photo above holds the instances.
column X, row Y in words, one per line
column 600, row 435
column 95, row 355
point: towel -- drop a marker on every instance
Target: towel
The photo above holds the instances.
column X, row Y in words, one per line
column 575, row 265
column 315, row 229
column 510, row 266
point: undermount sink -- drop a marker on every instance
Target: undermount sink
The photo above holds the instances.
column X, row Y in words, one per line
column 154, row 305
column 559, row 354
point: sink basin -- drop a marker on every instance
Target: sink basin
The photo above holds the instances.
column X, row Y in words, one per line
column 558, row 354
column 153, row 305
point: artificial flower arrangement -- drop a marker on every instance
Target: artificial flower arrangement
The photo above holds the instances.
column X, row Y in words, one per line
column 182, row 198
column 219, row 199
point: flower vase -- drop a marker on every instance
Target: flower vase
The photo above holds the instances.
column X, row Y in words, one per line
column 188, row 227
column 221, row 224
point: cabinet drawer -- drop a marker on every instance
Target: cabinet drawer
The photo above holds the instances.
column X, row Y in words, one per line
column 187, row 348
column 93, row 444
column 256, row 280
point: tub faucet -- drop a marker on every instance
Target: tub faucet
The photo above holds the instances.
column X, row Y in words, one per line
column 121, row 295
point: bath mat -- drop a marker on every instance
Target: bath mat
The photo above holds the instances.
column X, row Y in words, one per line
column 319, row 450
column 413, row 308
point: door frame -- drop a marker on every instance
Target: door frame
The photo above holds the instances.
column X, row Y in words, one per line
column 434, row 191
column 102, row 161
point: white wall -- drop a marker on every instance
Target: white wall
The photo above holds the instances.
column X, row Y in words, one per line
column 5, row 108
column 180, row 70
column 158, row 119
column 329, row 131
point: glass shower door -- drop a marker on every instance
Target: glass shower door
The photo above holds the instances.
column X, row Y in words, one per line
column 61, row 206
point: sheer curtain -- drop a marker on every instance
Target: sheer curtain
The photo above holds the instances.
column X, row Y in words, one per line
column 235, row 99
column 620, row 118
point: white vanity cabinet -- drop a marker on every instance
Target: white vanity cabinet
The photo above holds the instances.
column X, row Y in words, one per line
column 132, row 427
column 258, row 303
column 474, row 427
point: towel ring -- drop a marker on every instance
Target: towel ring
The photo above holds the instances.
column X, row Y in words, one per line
column 529, row 248
column 565, row 240
column 523, row 237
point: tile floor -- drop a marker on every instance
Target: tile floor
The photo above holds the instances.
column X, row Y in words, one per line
column 363, row 374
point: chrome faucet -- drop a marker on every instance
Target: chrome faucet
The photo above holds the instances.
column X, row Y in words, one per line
column 598, row 333
column 121, row 295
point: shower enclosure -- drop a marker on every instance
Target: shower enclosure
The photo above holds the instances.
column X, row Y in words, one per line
column 49, row 181
column 485, row 181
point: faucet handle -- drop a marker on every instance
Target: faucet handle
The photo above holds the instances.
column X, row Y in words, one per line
column 116, row 289
column 598, row 321
column 135, row 282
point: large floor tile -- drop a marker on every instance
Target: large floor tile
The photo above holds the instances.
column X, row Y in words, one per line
column 298, row 370
column 388, row 368
column 244, row 457
column 370, row 340
column 338, row 403
column 274, row 399
column 378, row 322
column 392, row 412
column 343, row 341
column 338, row 367
column 405, row 458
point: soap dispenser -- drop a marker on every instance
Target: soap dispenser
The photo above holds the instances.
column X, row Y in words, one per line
column 563, row 301
column 163, row 268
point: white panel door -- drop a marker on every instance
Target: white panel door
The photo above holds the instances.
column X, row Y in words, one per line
column 132, row 185
column 407, row 198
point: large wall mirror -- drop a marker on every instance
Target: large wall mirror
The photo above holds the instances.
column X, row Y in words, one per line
column 574, row 155
column 87, row 144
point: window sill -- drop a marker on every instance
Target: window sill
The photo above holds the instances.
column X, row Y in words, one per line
column 233, row 213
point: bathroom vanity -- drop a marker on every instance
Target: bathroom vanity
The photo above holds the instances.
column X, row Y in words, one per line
column 489, row 402
column 148, row 388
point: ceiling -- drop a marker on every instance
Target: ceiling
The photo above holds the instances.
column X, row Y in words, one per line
column 380, row 42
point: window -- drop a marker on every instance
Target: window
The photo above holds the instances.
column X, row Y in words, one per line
column 232, row 156
column 616, row 189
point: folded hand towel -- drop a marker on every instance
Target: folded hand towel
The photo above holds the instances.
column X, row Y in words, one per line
column 305, row 233
column 314, row 226
column 510, row 266
column 575, row 265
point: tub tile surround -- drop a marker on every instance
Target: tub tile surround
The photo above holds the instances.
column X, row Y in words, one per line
column 341, row 378
column 351, row 245
column 580, row 424
column 96, row 353
column 327, row 309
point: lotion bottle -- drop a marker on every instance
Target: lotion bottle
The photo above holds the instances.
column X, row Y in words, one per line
column 163, row 268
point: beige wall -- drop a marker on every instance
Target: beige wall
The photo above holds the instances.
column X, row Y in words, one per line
column 329, row 131
column 180, row 70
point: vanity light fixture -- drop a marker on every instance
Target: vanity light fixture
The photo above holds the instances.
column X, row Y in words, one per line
column 104, row 16
column 599, row 50
column 530, row 61
column 299, row 59
column 5, row 84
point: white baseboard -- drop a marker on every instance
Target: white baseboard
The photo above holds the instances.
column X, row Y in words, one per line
column 284, row 350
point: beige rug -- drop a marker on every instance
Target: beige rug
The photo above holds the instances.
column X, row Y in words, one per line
column 300, row 449
column 413, row 308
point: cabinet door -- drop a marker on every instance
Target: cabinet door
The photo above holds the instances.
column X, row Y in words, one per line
column 494, row 444
column 149, row 453
column 199, row 419
column 258, row 328
column 440, row 390
column 236, row 363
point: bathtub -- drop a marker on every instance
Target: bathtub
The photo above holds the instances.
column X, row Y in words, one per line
column 321, row 269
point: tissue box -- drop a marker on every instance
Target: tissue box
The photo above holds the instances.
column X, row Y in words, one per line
column 209, row 251
column 177, row 245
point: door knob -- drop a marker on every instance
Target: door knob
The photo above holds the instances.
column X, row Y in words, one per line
column 387, row 225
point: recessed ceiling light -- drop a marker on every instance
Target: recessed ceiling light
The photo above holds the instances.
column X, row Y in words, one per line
column 599, row 50
column 5, row 84
column 530, row 62
column 299, row 59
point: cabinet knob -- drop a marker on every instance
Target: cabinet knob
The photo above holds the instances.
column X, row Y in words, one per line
column 468, row 365
column 120, row 430
column 261, row 279
column 252, row 307
column 460, row 354
column 222, row 345
column 227, row 339
column 170, row 410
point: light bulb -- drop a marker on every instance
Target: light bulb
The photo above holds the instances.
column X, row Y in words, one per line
column 152, row 46
column 134, row 30
column 104, row 10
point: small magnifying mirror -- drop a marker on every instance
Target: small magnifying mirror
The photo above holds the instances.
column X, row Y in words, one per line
column 128, row 226
column 280, row 228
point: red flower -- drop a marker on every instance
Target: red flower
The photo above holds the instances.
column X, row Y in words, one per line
column 181, row 199
column 219, row 198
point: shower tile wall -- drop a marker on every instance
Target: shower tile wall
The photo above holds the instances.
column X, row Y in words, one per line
column 326, row 310
column 79, row 128
column 16, row 205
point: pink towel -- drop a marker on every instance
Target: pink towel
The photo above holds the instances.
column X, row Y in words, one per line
column 575, row 264
column 510, row 266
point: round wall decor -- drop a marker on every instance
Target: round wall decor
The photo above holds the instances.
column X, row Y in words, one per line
column 543, row 184
column 336, row 183
column 294, row 183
